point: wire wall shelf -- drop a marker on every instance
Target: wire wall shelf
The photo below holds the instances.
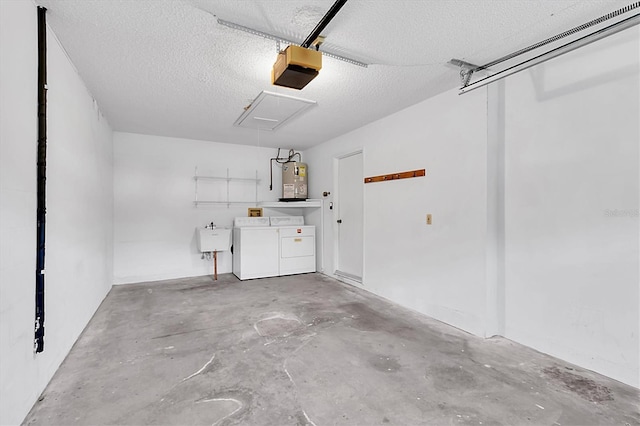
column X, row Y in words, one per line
column 224, row 185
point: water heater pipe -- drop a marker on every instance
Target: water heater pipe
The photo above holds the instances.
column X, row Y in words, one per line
column 281, row 160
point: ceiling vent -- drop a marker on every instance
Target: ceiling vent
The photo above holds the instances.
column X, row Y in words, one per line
column 269, row 110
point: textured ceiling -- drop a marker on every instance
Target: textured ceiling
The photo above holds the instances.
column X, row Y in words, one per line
column 167, row 67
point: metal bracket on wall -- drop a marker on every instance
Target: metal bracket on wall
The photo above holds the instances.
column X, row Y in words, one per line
column 466, row 70
column 395, row 176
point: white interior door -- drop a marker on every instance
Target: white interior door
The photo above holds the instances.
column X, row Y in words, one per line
column 349, row 216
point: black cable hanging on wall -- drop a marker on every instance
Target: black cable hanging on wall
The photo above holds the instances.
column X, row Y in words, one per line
column 42, row 177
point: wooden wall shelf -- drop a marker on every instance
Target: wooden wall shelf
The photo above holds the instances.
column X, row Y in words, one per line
column 395, row 176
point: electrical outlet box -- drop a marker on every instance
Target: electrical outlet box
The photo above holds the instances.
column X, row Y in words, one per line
column 429, row 219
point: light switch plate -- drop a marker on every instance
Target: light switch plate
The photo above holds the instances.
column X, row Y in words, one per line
column 429, row 219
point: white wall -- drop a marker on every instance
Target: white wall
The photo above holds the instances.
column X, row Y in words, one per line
column 533, row 185
column 438, row 269
column 155, row 217
column 572, row 136
column 79, row 210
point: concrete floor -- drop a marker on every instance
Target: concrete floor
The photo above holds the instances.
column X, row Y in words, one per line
column 307, row 350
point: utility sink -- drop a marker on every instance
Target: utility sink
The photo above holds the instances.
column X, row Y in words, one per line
column 216, row 239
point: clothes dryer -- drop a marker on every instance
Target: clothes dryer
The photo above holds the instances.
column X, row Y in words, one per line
column 297, row 245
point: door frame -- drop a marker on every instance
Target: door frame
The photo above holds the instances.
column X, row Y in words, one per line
column 336, row 241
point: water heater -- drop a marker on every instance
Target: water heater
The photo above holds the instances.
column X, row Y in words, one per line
column 294, row 181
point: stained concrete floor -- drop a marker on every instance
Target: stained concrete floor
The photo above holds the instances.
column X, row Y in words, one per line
column 306, row 350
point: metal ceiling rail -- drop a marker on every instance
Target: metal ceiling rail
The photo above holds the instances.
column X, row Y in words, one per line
column 583, row 41
column 565, row 34
column 468, row 69
column 279, row 39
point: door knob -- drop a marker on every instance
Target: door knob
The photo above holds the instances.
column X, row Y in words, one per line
column 339, row 220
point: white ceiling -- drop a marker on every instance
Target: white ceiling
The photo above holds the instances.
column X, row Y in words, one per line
column 166, row 67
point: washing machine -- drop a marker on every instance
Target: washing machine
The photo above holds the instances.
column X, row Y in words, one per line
column 297, row 245
column 255, row 248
